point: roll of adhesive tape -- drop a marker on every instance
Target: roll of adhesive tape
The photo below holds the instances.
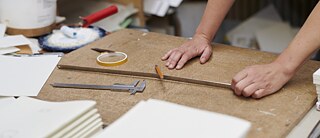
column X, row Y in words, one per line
column 110, row 55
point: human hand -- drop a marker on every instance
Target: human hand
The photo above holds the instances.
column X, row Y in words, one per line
column 199, row 45
column 260, row 80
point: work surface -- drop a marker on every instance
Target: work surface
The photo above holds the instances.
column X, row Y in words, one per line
column 272, row 116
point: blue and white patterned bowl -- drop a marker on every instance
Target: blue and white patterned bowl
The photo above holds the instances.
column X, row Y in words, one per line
column 43, row 41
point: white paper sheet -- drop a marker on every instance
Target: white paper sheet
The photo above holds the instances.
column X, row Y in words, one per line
column 32, row 118
column 151, row 6
column 159, row 7
column 160, row 119
column 174, row 3
column 156, row 7
column 316, row 77
column 25, row 76
column 76, row 123
column 34, row 45
column 8, row 50
column 2, row 30
column 8, row 43
column 14, row 40
column 163, row 8
column 86, row 129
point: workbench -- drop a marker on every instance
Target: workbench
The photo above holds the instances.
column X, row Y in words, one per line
column 273, row 116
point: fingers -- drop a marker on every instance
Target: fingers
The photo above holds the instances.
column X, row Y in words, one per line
column 252, row 90
column 240, row 76
column 243, row 85
column 249, row 90
column 260, row 80
column 177, row 57
column 205, row 55
column 167, row 55
column 259, row 93
column 183, row 61
column 240, row 86
column 174, row 59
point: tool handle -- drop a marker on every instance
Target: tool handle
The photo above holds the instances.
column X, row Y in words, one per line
column 100, row 50
column 97, row 16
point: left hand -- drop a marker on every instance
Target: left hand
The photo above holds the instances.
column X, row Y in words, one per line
column 199, row 45
column 260, row 80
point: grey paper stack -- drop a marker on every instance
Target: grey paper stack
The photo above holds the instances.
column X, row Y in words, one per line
column 28, row 117
column 316, row 81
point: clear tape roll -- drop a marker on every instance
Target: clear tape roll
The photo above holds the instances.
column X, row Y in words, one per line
column 113, row 63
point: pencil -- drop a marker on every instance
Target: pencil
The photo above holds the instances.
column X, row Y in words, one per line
column 159, row 72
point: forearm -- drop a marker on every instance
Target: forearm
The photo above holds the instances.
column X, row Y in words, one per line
column 304, row 44
column 213, row 15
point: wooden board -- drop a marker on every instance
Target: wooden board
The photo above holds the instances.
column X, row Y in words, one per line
column 273, row 116
column 145, row 49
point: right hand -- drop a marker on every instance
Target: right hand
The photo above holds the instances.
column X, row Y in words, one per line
column 258, row 81
column 199, row 45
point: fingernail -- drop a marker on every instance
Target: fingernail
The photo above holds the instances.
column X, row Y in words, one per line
column 202, row 60
column 178, row 67
column 167, row 64
column 238, row 93
column 171, row 66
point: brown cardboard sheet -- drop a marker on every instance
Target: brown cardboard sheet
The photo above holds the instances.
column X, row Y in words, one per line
column 145, row 50
column 272, row 116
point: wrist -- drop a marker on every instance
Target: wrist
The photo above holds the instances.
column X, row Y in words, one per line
column 286, row 67
column 202, row 37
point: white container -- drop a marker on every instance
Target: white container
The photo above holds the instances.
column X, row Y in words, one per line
column 28, row 14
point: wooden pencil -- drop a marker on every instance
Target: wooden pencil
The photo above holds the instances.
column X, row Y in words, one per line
column 159, row 72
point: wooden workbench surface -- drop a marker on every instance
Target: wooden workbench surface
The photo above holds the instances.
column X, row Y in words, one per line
column 273, row 116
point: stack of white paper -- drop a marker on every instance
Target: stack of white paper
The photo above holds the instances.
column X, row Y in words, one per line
column 25, row 76
column 8, row 44
column 28, row 117
column 316, row 81
column 159, row 7
column 160, row 119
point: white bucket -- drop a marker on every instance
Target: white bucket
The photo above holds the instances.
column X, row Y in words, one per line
column 28, row 14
